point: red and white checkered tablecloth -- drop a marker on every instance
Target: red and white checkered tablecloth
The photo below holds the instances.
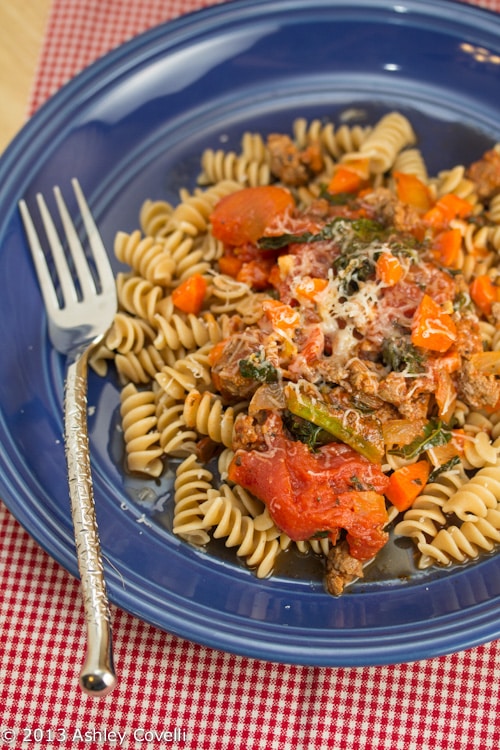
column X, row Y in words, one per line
column 173, row 693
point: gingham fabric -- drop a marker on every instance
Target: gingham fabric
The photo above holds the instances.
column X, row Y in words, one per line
column 173, row 693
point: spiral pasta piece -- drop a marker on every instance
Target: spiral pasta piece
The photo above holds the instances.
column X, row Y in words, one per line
column 192, row 483
column 175, row 438
column 100, row 358
column 128, row 333
column 474, row 498
column 138, row 414
column 154, row 217
column 186, row 374
column 459, row 543
column 226, row 517
column 228, row 294
column 411, row 161
column 205, row 413
column 138, row 296
column 333, row 142
column 228, row 165
column 426, row 515
column 254, row 147
column 187, row 331
column 141, row 366
column 480, row 451
column 390, row 135
column 223, row 462
column 317, row 546
column 455, row 181
column 146, row 256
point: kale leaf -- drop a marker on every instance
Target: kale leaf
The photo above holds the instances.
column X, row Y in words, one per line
column 305, row 431
column 399, row 354
column 258, row 368
column 435, row 433
column 364, row 230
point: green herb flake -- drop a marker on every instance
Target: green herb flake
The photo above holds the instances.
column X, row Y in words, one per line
column 434, row 435
column 400, row 355
column 441, row 469
column 258, row 368
column 305, row 432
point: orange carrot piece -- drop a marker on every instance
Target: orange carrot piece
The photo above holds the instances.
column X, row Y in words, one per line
column 215, row 352
column 190, row 294
column 282, row 317
column 388, row 269
column 445, row 209
column 484, row 292
column 412, row 191
column 230, row 264
column 345, row 180
column 446, row 247
column 406, row 483
column 432, row 328
column 309, row 288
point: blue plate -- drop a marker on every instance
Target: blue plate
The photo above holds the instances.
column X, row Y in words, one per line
column 133, row 126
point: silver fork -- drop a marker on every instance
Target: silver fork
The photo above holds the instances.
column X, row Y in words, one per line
column 79, row 314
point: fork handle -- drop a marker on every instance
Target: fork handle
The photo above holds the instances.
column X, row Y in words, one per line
column 97, row 676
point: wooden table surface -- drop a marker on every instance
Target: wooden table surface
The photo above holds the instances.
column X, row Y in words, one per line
column 22, row 27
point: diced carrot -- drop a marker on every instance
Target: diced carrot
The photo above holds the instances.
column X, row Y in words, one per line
column 230, row 264
column 309, row 288
column 358, row 164
column 446, row 247
column 484, row 292
column 215, row 352
column 432, row 328
column 214, row 356
column 282, row 317
column 412, row 191
column 190, row 294
column 388, row 269
column 451, row 361
column 345, row 180
column 406, row 483
column 447, row 208
column 243, row 216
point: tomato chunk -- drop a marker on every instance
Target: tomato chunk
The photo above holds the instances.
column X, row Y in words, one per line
column 314, row 493
column 243, row 216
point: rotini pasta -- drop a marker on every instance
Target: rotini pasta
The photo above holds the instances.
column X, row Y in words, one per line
column 128, row 333
column 206, row 413
column 154, row 217
column 226, row 516
column 146, row 256
column 318, row 321
column 192, row 484
column 387, row 139
column 138, row 414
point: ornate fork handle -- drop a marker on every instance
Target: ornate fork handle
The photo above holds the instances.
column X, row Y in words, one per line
column 97, row 676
